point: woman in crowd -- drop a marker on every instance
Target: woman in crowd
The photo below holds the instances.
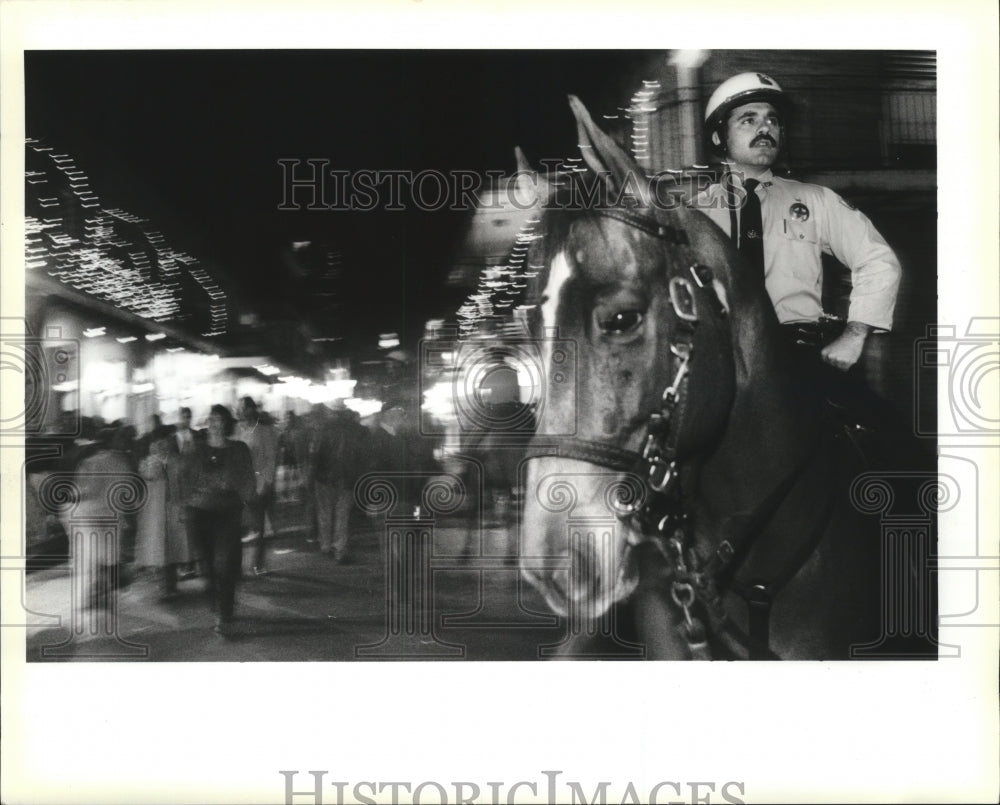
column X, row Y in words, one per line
column 222, row 485
column 162, row 540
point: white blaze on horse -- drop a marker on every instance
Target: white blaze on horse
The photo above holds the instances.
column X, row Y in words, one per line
column 735, row 535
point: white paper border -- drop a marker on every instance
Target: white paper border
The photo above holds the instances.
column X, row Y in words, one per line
column 881, row 732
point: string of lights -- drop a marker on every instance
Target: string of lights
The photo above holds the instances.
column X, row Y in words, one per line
column 109, row 253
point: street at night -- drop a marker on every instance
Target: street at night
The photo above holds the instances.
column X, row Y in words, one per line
column 346, row 290
column 310, row 609
column 347, row 386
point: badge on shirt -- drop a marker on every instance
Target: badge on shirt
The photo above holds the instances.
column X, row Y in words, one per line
column 799, row 211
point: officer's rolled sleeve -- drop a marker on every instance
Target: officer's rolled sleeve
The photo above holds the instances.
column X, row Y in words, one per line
column 875, row 270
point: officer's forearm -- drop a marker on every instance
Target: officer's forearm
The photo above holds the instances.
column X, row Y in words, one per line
column 856, row 329
column 845, row 351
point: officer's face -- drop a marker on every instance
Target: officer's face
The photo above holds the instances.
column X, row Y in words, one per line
column 754, row 135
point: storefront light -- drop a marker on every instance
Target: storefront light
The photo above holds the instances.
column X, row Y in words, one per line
column 363, row 407
column 439, row 400
column 341, row 389
column 388, row 340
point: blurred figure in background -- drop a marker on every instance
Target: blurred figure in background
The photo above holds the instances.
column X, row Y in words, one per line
column 222, row 486
column 313, row 425
column 121, row 437
column 335, row 462
column 154, row 427
column 406, row 460
column 185, row 439
column 184, row 435
column 95, row 556
column 256, row 430
column 498, row 440
column 294, row 454
column 162, row 540
column 398, row 448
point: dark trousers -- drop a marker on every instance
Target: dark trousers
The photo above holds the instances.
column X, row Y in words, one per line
column 218, row 536
column 262, row 506
column 848, row 392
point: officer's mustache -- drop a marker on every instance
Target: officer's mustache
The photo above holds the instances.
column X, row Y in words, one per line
column 764, row 138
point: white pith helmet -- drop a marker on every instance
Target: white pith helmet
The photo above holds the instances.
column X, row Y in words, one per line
column 740, row 89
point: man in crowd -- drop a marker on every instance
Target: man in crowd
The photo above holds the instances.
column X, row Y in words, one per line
column 257, row 431
column 187, row 439
column 184, row 434
column 336, row 456
column 402, row 453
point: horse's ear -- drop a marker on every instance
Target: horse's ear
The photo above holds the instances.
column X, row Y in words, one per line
column 607, row 159
column 531, row 187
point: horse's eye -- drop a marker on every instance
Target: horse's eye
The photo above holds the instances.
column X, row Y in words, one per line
column 623, row 321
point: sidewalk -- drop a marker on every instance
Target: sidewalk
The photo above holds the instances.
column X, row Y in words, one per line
column 309, row 608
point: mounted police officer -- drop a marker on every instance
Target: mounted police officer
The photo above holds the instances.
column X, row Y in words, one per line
column 783, row 227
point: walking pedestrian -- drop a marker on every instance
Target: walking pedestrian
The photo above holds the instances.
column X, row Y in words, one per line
column 162, row 541
column 257, row 431
column 223, row 487
column 336, row 461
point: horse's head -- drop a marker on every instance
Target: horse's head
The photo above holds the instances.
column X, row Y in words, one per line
column 620, row 300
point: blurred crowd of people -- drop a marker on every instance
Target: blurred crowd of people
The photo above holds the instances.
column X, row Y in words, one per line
column 210, row 492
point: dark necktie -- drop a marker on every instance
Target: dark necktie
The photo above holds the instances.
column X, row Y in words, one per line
column 752, row 228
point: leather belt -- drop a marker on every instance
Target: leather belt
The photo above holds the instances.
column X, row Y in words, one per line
column 815, row 334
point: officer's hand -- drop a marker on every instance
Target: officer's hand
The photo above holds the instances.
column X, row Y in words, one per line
column 844, row 352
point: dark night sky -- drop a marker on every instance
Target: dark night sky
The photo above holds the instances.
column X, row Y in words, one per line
column 200, row 133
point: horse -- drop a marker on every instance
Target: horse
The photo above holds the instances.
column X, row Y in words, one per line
column 733, row 532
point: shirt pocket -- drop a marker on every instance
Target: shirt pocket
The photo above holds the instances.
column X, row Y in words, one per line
column 800, row 231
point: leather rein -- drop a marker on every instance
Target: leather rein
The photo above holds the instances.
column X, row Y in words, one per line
column 660, row 515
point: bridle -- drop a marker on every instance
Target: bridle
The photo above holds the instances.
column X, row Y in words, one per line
column 660, row 516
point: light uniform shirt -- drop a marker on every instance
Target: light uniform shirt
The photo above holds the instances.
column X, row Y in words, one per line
column 801, row 222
